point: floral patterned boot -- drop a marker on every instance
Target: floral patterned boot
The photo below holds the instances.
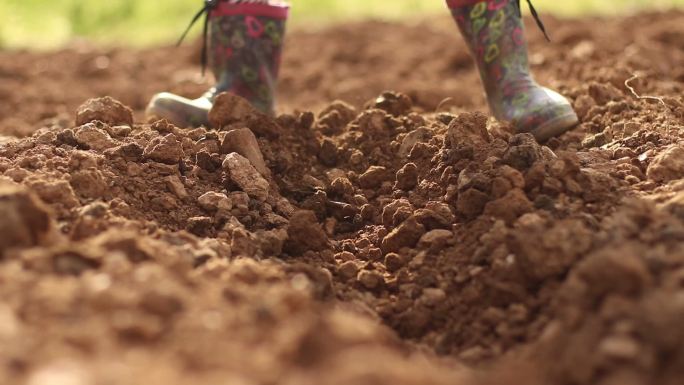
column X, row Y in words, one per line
column 245, row 40
column 495, row 35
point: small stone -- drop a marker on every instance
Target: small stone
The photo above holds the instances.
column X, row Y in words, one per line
column 348, row 270
column 93, row 138
column 243, row 173
column 175, row 185
column 373, row 177
column 106, row 110
column 239, row 199
column 420, row 135
column 345, row 256
column 394, row 262
column 406, row 235
column 342, row 187
column 199, row 226
column 597, row 140
column 243, row 142
column 167, row 150
column 435, row 238
column 523, row 152
column 214, row 201
column 407, row 177
column 371, row 280
column 668, row 165
column 130, row 152
column 389, row 212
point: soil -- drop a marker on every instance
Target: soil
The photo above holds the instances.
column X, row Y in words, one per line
column 398, row 237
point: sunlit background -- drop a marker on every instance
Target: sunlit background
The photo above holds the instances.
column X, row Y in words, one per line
column 50, row 23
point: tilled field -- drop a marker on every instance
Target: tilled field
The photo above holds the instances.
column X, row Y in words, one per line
column 396, row 238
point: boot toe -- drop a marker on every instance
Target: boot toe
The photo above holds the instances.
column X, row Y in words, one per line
column 552, row 115
column 179, row 111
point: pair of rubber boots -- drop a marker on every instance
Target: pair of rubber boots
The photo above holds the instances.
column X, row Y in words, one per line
column 245, row 46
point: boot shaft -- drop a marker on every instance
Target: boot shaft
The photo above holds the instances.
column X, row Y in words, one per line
column 245, row 48
column 495, row 34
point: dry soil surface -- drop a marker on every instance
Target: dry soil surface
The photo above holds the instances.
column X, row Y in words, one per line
column 396, row 238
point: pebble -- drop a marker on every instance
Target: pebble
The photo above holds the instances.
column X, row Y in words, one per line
column 214, row 201
column 243, row 173
column 371, row 280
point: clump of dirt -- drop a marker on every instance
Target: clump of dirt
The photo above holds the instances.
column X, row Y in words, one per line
column 439, row 246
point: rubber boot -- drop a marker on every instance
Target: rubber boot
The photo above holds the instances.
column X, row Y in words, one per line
column 245, row 40
column 495, row 35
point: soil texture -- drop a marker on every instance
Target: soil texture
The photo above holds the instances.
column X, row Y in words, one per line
column 363, row 236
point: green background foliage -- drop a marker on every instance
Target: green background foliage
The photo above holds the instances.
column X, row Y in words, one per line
column 50, row 23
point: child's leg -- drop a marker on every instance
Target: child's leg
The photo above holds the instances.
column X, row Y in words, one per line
column 244, row 50
column 494, row 32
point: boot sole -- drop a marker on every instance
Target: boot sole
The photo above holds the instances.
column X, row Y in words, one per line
column 555, row 127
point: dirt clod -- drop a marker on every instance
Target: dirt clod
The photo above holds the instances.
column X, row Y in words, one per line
column 667, row 166
column 229, row 108
column 243, row 142
column 241, row 171
column 25, row 220
column 305, row 234
column 401, row 228
column 106, row 110
column 166, row 149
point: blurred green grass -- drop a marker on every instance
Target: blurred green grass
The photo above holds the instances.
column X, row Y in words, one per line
column 42, row 24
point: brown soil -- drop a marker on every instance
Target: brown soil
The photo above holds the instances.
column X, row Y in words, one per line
column 403, row 240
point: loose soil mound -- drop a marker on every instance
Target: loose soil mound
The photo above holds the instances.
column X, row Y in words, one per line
column 401, row 240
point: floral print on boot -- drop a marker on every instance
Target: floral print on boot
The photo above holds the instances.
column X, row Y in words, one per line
column 244, row 51
column 495, row 35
